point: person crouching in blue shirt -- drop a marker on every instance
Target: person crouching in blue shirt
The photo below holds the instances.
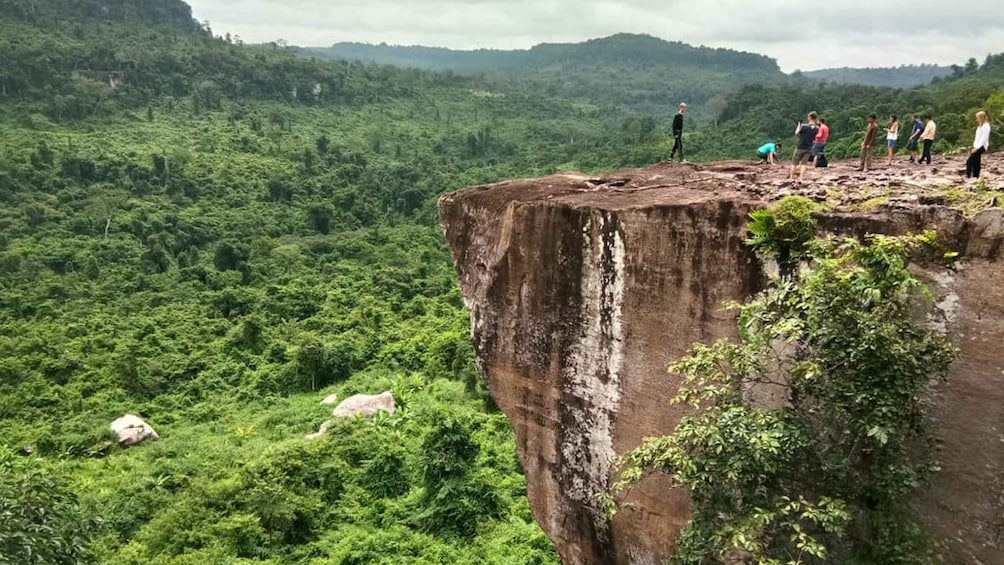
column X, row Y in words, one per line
column 768, row 153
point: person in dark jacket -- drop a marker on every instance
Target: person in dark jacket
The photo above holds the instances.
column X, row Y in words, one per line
column 678, row 132
column 913, row 143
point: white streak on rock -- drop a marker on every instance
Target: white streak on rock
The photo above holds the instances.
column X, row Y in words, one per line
column 946, row 306
column 592, row 372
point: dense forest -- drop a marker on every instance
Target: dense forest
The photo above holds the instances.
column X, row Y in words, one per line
column 215, row 236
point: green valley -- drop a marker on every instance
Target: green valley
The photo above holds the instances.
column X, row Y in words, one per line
column 215, row 236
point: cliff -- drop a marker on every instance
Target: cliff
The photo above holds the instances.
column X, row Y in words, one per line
column 583, row 289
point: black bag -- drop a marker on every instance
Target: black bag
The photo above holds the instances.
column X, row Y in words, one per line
column 821, row 161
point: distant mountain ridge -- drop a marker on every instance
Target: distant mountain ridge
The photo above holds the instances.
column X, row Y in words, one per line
column 618, row 50
column 641, row 72
column 646, row 49
column 903, row 76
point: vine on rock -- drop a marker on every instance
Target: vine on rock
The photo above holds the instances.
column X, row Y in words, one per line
column 810, row 433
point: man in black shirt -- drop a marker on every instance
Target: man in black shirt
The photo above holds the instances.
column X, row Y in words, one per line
column 678, row 132
column 806, row 137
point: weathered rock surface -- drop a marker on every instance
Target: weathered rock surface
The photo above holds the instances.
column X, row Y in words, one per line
column 133, row 430
column 582, row 289
column 321, row 432
column 330, row 400
column 365, row 405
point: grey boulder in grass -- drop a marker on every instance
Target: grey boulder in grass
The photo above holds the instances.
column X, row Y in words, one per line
column 133, row 430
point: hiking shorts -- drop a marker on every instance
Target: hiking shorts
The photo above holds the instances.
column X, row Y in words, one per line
column 801, row 156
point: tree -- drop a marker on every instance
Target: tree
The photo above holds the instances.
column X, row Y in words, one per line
column 208, row 95
column 312, row 363
column 231, row 256
column 320, row 216
column 323, row 144
column 455, row 497
column 808, row 435
column 784, row 232
column 103, row 207
column 40, row 520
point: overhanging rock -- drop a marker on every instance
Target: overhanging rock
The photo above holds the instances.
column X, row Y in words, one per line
column 583, row 289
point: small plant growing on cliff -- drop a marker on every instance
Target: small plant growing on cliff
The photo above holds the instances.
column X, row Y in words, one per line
column 783, row 231
column 810, row 433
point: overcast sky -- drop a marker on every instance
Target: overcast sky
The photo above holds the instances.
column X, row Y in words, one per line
column 799, row 34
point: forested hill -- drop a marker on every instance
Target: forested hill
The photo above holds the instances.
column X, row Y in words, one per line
column 617, row 50
column 904, row 76
column 637, row 71
column 70, row 68
column 73, row 13
column 214, row 237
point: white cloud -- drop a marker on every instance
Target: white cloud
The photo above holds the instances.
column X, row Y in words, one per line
column 799, row 34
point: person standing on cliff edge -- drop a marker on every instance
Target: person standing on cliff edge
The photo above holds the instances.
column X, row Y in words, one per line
column 912, row 144
column 927, row 138
column 891, row 136
column 980, row 145
column 868, row 145
column 806, row 138
column 678, row 132
column 819, row 146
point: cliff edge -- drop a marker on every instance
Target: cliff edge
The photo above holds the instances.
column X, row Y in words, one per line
column 583, row 289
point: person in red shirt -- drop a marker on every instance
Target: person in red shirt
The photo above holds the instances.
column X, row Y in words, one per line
column 819, row 145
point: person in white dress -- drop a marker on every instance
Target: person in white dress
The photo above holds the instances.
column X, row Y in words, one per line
column 980, row 146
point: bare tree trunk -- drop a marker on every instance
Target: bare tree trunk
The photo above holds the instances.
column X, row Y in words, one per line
column 108, row 224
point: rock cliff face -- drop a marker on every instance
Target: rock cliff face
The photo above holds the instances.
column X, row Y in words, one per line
column 583, row 289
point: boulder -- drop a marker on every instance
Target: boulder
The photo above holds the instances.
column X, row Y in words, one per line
column 365, row 405
column 989, row 224
column 321, row 432
column 330, row 400
column 133, row 430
